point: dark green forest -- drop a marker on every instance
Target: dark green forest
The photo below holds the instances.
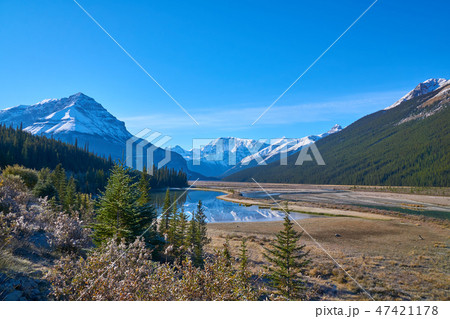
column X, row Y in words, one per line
column 90, row 171
column 375, row 150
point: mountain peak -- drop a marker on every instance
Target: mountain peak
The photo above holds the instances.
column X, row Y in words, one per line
column 335, row 128
column 67, row 118
column 80, row 95
column 425, row 87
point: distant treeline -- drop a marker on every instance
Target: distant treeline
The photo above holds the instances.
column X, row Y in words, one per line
column 168, row 177
column 90, row 171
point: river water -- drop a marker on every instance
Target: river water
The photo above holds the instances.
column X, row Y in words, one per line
column 220, row 211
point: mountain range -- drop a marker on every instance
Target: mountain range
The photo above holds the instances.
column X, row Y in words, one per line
column 227, row 155
column 404, row 144
column 80, row 120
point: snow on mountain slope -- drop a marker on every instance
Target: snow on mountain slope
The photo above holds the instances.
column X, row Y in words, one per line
column 286, row 145
column 438, row 101
column 227, row 154
column 428, row 86
column 224, row 148
column 219, row 155
column 66, row 118
column 80, row 119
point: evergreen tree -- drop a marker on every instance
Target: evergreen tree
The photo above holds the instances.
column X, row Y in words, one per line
column 288, row 260
column 144, row 188
column 146, row 219
column 172, row 233
column 244, row 273
column 165, row 215
column 191, row 231
column 58, row 178
column 182, row 236
column 226, row 251
column 200, row 238
column 119, row 213
column 44, row 186
column 68, row 202
column 243, row 265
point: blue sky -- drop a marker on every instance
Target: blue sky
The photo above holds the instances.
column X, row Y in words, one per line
column 224, row 61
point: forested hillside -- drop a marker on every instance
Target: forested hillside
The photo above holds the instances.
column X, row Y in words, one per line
column 405, row 145
column 90, row 171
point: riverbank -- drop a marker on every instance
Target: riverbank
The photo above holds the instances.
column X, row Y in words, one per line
column 336, row 200
column 392, row 255
column 303, row 209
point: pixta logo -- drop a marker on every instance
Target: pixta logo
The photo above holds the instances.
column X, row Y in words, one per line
column 258, row 152
column 145, row 150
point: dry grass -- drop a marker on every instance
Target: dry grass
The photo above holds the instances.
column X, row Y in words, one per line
column 387, row 258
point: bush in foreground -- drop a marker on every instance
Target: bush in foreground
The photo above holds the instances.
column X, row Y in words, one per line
column 126, row 272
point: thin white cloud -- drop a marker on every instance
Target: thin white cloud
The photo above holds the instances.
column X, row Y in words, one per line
column 241, row 118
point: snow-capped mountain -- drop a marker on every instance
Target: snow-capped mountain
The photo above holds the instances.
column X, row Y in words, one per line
column 231, row 150
column 286, row 145
column 428, row 86
column 226, row 155
column 427, row 106
column 219, row 155
column 80, row 119
column 75, row 118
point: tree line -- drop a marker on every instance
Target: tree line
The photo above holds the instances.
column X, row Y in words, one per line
column 90, row 171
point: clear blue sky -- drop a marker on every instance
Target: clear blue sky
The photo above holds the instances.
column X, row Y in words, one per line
column 224, row 61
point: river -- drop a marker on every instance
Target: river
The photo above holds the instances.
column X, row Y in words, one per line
column 220, row 211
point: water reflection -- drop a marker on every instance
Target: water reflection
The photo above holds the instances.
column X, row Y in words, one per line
column 220, row 211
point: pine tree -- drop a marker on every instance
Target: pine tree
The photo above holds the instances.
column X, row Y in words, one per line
column 288, row 260
column 172, row 233
column 200, row 239
column 165, row 215
column 144, row 188
column 145, row 224
column 191, row 231
column 226, row 251
column 59, row 181
column 244, row 273
column 68, row 202
column 177, row 235
column 243, row 265
column 119, row 213
column 182, row 237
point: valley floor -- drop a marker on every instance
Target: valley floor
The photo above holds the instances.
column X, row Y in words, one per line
column 392, row 256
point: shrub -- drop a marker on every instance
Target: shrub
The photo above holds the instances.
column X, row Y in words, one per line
column 5, row 231
column 44, row 188
column 13, row 194
column 22, row 216
column 28, row 176
column 67, row 233
column 125, row 272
